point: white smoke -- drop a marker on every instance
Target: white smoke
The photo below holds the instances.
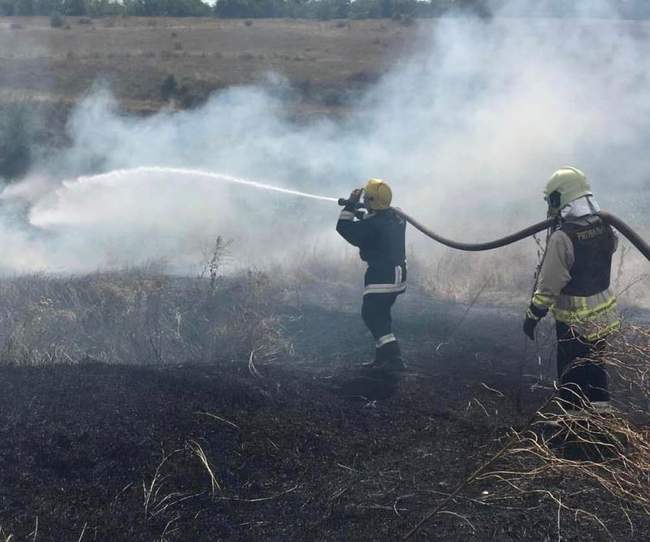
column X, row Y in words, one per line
column 467, row 129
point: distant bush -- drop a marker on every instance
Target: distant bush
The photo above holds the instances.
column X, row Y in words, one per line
column 85, row 20
column 192, row 96
column 364, row 77
column 16, row 134
column 168, row 88
column 56, row 20
column 333, row 98
column 188, row 92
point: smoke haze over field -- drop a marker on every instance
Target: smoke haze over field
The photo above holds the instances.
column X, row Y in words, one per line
column 467, row 130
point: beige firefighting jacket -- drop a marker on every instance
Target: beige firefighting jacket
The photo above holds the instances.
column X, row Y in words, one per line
column 591, row 317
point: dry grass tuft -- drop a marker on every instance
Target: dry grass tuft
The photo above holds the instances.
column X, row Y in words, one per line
column 140, row 316
column 605, row 453
column 591, row 465
column 198, row 451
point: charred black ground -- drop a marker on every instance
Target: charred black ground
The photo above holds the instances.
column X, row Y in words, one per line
column 303, row 447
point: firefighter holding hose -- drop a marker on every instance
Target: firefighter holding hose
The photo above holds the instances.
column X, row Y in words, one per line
column 379, row 233
column 573, row 283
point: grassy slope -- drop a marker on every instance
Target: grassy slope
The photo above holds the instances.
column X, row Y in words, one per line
column 135, row 55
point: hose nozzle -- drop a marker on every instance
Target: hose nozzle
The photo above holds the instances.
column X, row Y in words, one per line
column 357, row 204
column 345, row 202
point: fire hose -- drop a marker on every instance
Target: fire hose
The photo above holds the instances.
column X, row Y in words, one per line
column 608, row 218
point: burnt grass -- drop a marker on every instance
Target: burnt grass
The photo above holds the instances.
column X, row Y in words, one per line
column 306, row 447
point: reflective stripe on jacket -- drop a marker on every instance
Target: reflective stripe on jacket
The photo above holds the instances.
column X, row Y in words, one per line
column 592, row 317
column 385, row 279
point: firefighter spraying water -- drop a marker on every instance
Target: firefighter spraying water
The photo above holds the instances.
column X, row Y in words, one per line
column 379, row 233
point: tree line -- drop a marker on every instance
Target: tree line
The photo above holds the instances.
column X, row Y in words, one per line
column 311, row 9
column 308, row 9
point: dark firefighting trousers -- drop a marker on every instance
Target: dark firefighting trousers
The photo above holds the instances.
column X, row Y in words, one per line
column 375, row 312
column 580, row 374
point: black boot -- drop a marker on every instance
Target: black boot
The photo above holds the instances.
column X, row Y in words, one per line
column 394, row 361
column 378, row 362
column 387, row 358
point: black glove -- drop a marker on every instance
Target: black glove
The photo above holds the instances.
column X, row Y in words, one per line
column 353, row 200
column 529, row 327
column 533, row 315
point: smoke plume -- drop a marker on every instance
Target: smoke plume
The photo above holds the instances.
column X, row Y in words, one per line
column 467, row 129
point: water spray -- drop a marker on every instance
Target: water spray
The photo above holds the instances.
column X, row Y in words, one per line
column 116, row 177
column 47, row 213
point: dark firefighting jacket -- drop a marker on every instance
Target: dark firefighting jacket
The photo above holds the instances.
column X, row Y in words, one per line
column 380, row 237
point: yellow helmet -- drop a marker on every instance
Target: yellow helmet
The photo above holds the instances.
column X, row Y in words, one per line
column 377, row 195
column 565, row 185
